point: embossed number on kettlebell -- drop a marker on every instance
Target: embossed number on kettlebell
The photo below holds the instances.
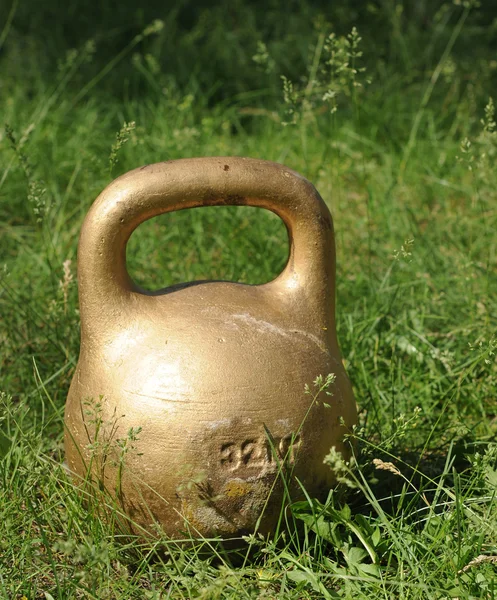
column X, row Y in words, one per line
column 259, row 452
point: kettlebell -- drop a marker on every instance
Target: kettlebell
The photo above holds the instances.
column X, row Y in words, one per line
column 189, row 404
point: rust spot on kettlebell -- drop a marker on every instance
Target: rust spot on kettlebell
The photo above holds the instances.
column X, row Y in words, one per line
column 325, row 221
column 210, row 198
column 235, row 200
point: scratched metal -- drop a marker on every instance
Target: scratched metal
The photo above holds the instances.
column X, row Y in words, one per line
column 212, row 372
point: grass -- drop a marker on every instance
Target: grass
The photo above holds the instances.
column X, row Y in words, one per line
column 406, row 163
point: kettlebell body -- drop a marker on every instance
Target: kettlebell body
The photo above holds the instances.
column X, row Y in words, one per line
column 189, row 404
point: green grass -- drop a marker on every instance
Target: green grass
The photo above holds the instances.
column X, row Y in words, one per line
column 407, row 165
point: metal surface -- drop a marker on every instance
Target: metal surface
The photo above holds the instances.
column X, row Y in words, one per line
column 212, row 372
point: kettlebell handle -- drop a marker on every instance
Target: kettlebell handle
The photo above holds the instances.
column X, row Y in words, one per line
column 187, row 183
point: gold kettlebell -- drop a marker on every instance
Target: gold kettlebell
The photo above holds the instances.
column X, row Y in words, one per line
column 188, row 404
